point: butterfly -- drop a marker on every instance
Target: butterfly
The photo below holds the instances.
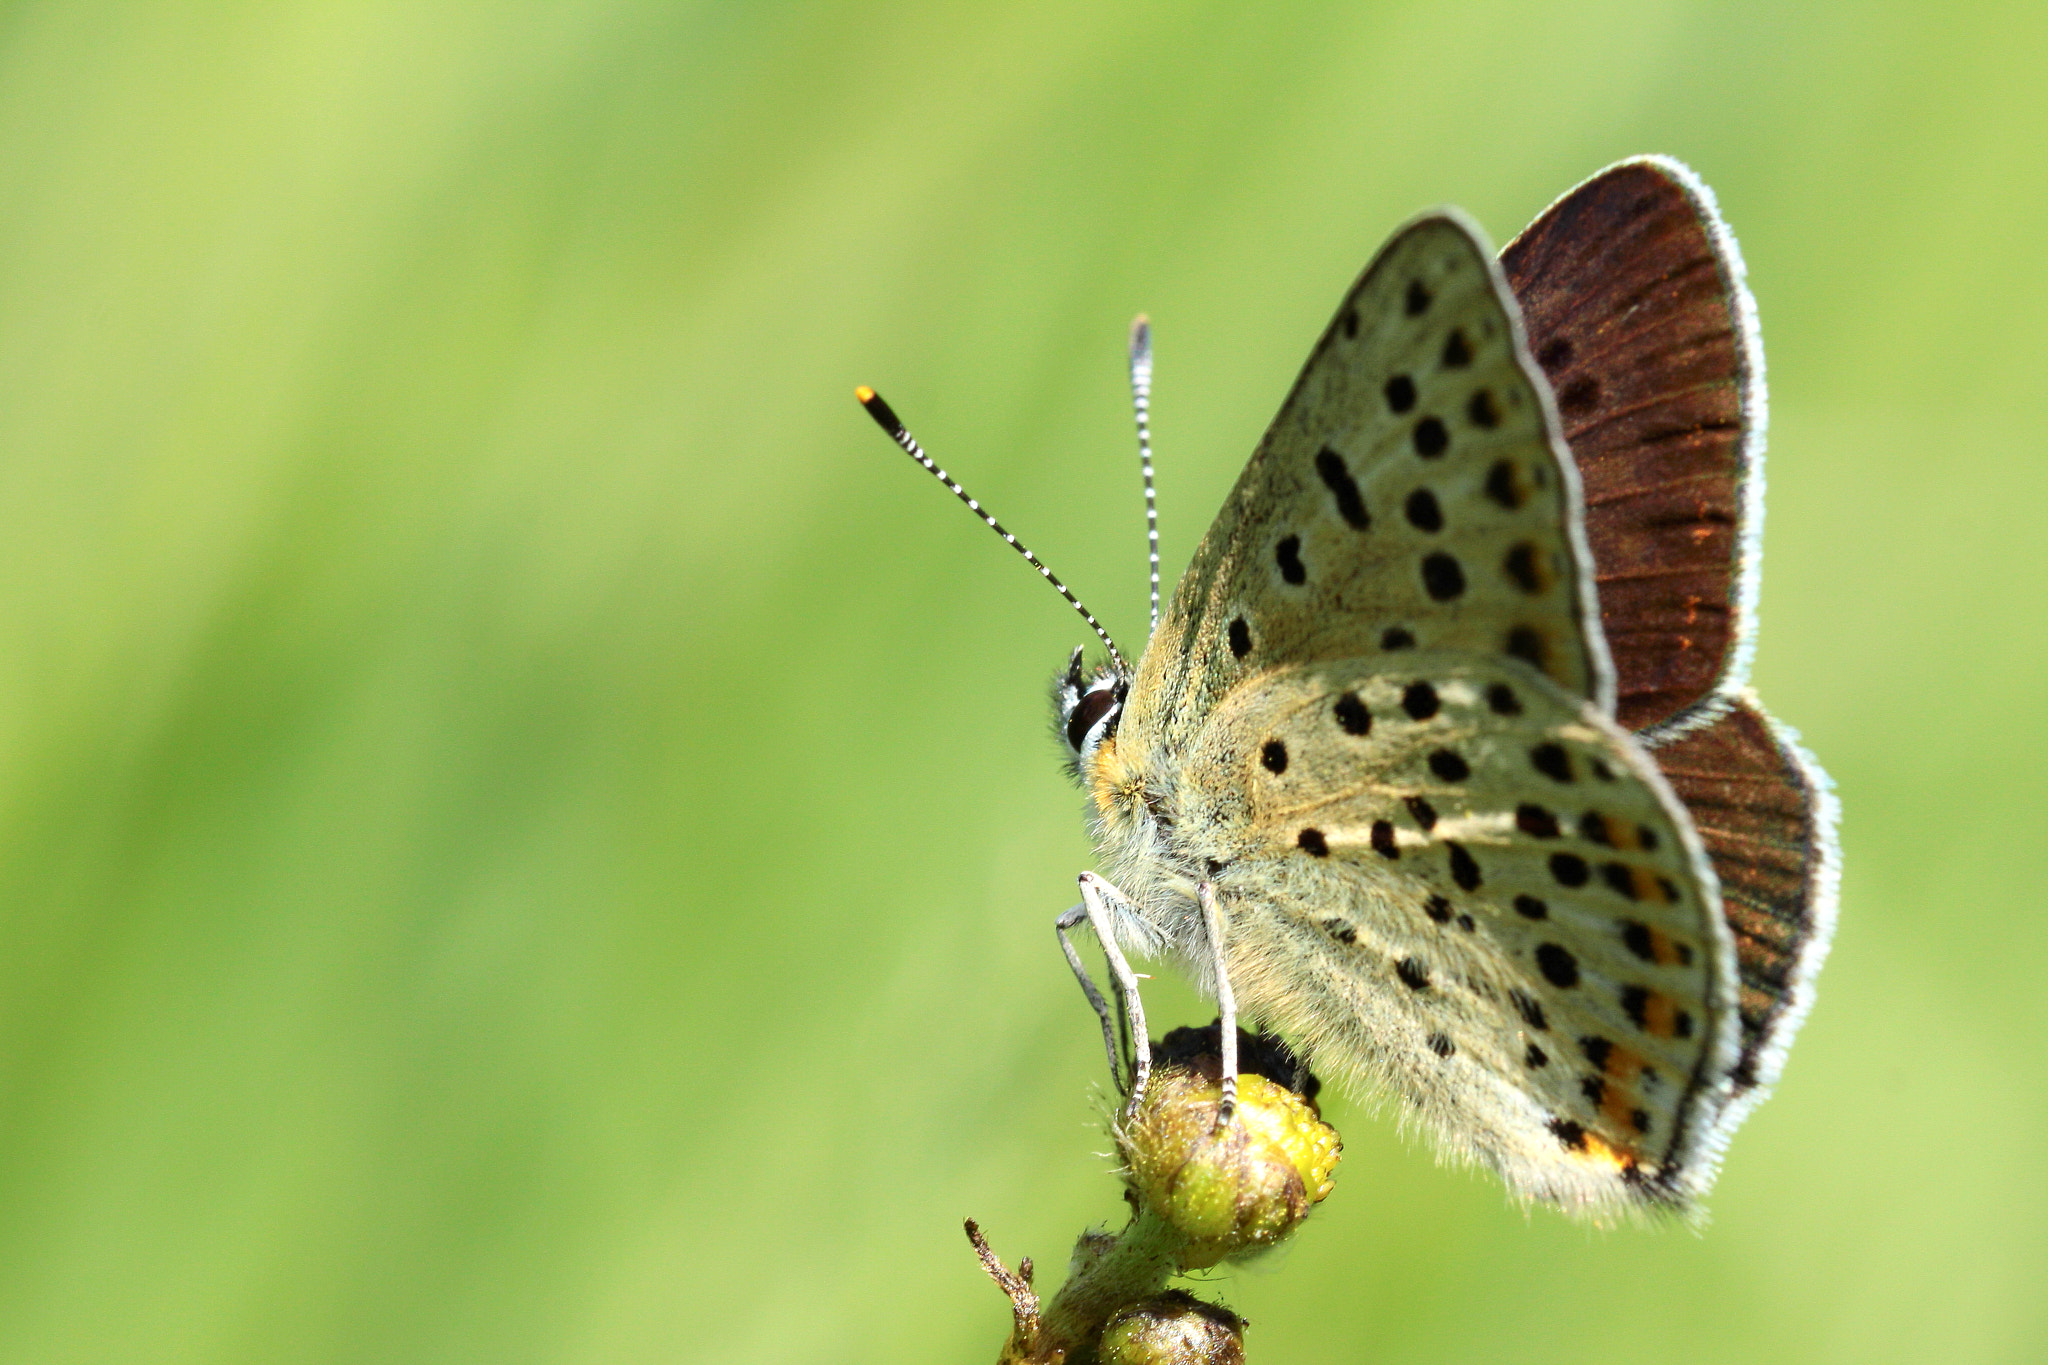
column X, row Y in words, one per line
column 1441, row 761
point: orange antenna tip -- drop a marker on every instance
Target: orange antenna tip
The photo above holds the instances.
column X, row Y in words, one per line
column 884, row 417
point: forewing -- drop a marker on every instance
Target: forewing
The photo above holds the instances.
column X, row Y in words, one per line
column 1413, row 493
column 1632, row 292
column 1453, row 879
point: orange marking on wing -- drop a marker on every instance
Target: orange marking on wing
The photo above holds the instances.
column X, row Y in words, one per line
column 1623, row 1065
column 1665, row 950
column 1660, row 1016
column 1617, row 1106
column 1648, row 885
column 1598, row 1149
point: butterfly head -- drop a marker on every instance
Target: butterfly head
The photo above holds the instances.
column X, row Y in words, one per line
column 1086, row 705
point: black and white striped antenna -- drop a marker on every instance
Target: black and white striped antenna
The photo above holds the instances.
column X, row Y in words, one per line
column 885, row 418
column 1141, row 404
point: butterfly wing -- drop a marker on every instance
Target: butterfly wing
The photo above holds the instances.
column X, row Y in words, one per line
column 1407, row 544
column 1413, row 493
column 1766, row 815
column 1633, row 293
column 1460, row 882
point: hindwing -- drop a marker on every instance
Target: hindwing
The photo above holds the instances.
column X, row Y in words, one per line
column 1460, row 883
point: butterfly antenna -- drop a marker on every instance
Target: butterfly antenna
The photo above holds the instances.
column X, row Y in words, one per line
column 1141, row 404
column 885, row 417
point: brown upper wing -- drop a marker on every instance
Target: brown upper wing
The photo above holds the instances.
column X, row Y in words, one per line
column 1632, row 292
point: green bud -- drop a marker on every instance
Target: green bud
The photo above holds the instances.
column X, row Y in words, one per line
column 1230, row 1192
column 1176, row 1328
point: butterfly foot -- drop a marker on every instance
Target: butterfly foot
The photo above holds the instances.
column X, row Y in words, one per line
column 1226, row 1107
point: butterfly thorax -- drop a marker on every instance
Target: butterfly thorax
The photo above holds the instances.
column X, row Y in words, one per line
column 1132, row 812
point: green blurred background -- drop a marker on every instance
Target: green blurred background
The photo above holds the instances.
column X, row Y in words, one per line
column 528, row 832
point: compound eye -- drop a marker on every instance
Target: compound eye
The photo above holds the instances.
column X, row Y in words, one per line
column 1091, row 708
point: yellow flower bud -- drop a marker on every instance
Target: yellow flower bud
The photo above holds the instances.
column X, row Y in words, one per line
column 1230, row 1192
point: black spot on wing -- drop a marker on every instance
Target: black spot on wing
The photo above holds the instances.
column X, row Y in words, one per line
column 1501, row 485
column 1524, row 567
column 1526, row 643
column 1570, row 869
column 1558, row 966
column 1579, row 397
column 1553, row 761
column 1635, row 1003
column 1336, row 477
column 1420, row 701
column 1639, row 940
column 1288, row 554
column 1621, row 879
column 1464, row 869
column 1442, row 576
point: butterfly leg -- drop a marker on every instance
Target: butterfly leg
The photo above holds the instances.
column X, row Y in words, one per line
column 1097, row 899
column 1074, row 919
column 1226, row 1003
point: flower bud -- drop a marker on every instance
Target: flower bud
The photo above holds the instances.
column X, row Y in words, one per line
column 1230, row 1192
column 1176, row 1328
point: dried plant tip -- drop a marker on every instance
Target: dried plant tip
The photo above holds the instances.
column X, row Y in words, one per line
column 1023, row 1303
